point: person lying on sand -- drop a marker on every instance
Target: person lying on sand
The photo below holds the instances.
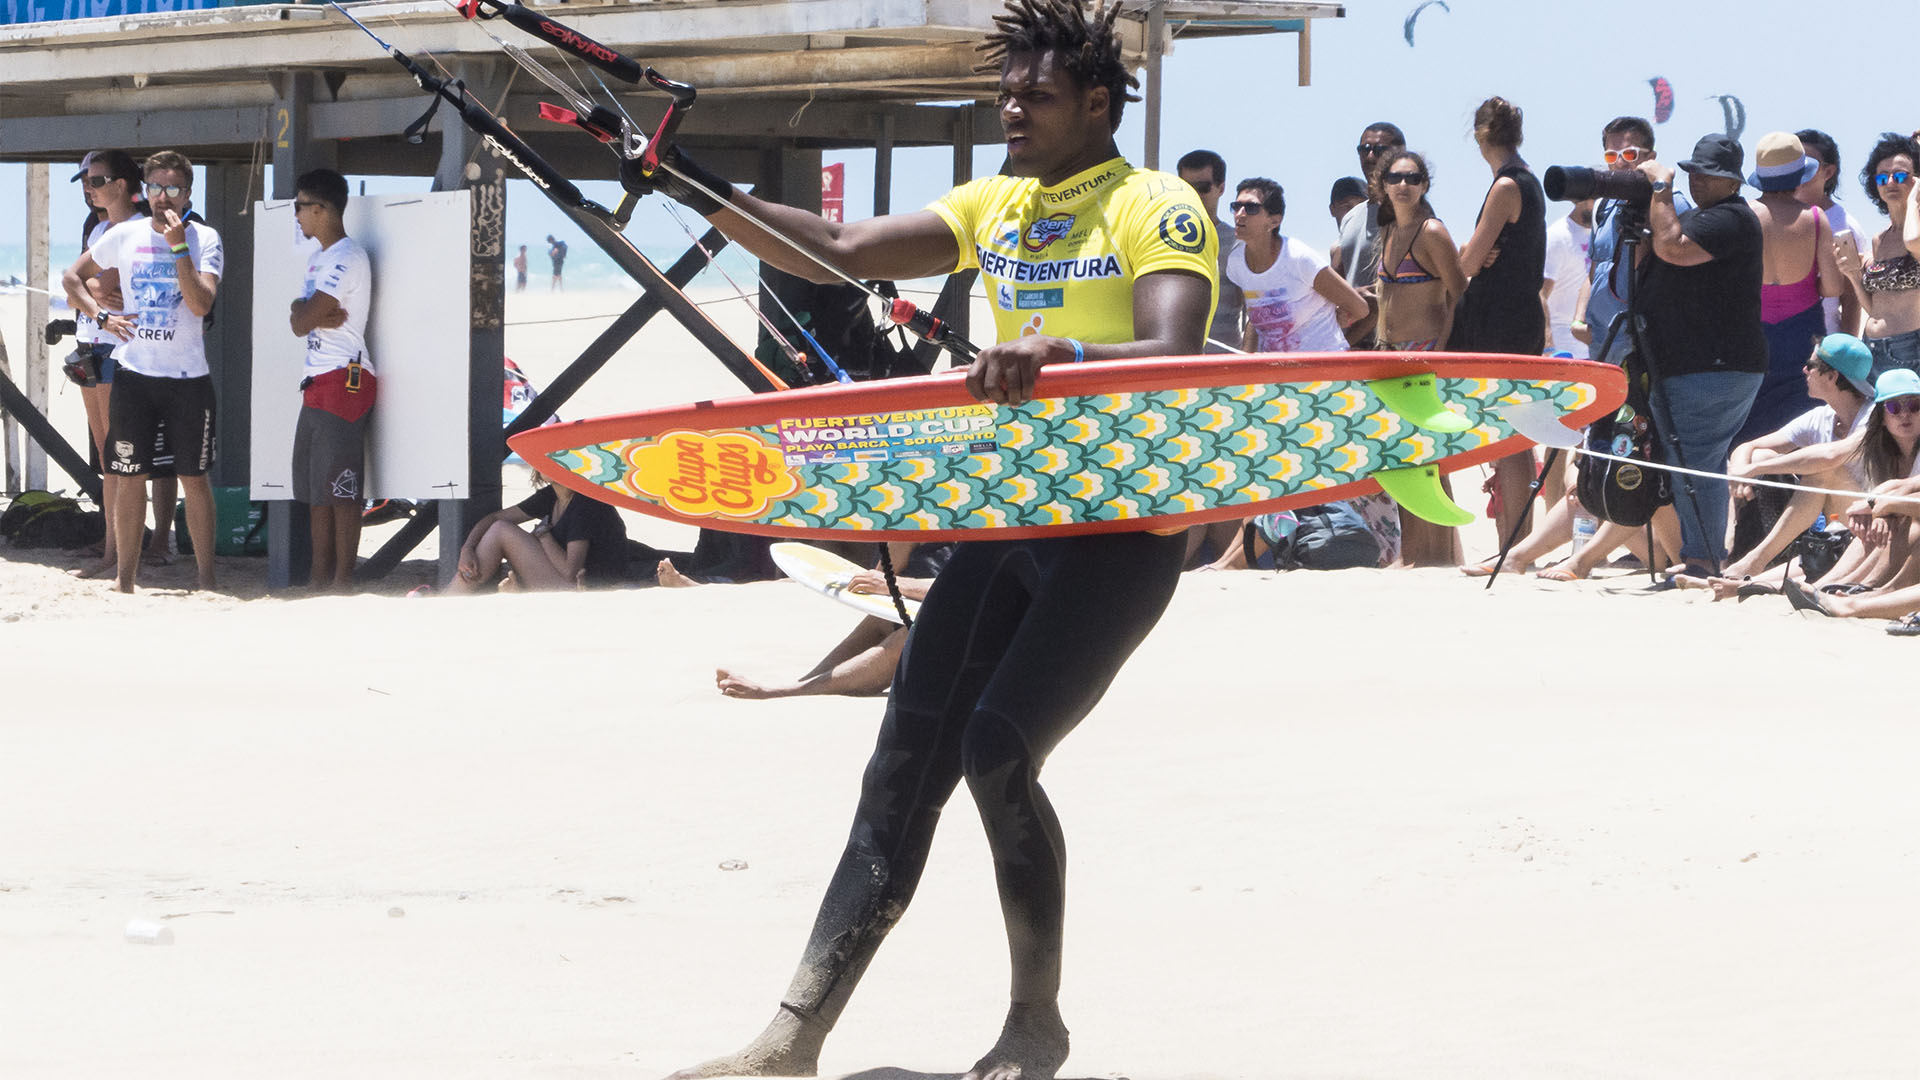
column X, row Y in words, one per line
column 862, row 664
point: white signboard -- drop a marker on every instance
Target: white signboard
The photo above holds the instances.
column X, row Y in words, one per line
column 416, row 338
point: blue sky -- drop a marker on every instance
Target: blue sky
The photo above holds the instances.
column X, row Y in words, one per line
column 1571, row 67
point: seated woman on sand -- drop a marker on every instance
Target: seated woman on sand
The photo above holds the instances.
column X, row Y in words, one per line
column 576, row 543
column 1819, row 447
column 1890, row 452
column 864, row 661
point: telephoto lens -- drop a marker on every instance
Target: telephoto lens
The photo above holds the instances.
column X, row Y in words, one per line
column 1572, row 183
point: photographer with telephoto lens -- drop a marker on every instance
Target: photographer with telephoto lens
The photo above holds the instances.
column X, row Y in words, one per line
column 1702, row 308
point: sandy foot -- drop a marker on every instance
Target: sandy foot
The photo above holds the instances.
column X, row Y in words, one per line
column 1032, row 1046
column 787, row 1048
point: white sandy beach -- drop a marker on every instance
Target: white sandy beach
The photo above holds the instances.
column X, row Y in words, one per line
column 1359, row 824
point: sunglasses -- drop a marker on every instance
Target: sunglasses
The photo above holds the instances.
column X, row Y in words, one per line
column 1899, row 177
column 1901, row 406
column 100, row 181
column 1628, row 154
column 1403, row 178
column 1204, row 187
column 306, row 204
column 1368, row 151
column 1247, row 208
column 171, row 191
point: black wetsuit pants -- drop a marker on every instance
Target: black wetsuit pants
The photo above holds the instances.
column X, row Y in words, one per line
column 1016, row 642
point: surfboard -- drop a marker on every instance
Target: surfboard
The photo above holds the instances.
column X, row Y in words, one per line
column 1104, row 446
column 828, row 574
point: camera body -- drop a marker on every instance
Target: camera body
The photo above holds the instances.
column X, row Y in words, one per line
column 1572, row 183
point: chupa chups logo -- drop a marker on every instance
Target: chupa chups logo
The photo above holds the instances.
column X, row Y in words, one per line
column 1044, row 231
column 732, row 474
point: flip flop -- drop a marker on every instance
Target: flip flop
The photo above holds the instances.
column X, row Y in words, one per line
column 1802, row 600
column 1757, row 588
column 1558, row 573
column 1905, row 626
column 1852, row 588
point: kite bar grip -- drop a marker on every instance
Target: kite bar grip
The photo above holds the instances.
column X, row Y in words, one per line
column 906, row 313
column 560, row 36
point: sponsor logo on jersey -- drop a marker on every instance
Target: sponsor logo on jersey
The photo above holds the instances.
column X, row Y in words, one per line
column 1019, row 271
column 1044, row 231
column 1003, row 295
column 1028, row 299
column 1084, row 186
column 1182, row 229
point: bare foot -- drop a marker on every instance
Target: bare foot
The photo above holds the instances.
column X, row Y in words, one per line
column 1032, row 1046
column 738, row 686
column 1561, row 571
column 666, row 574
column 151, row 557
column 789, row 1047
column 98, row 570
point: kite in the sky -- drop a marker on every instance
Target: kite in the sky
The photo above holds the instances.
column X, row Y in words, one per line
column 1413, row 15
column 1662, row 99
column 1735, row 113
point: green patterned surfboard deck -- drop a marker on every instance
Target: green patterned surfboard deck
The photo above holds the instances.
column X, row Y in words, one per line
column 1077, row 462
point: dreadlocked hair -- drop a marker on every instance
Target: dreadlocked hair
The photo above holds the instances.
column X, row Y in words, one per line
column 1080, row 36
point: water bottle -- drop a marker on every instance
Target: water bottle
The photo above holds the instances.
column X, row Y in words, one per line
column 1584, row 526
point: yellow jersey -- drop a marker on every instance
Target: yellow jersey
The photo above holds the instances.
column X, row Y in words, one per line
column 1060, row 260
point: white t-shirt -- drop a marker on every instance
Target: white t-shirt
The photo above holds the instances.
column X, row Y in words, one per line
column 1842, row 221
column 1815, row 427
column 169, row 341
column 1287, row 315
column 344, row 273
column 1568, row 267
column 85, row 330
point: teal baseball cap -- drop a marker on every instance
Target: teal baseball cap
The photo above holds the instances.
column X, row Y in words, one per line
column 1899, row 382
column 1849, row 356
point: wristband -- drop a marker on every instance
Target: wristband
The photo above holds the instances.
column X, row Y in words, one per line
column 1079, row 350
column 179, row 249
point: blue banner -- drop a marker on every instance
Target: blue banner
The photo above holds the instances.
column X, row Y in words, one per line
column 32, row 11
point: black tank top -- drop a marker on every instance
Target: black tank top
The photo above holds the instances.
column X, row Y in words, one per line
column 1501, row 310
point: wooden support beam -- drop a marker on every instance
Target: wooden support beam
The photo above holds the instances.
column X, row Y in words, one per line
column 37, row 310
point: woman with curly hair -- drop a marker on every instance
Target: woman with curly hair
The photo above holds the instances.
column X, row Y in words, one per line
column 1886, row 276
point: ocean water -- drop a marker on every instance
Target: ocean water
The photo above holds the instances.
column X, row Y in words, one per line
column 587, row 268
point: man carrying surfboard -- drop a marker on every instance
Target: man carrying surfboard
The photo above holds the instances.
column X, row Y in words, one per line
column 1085, row 257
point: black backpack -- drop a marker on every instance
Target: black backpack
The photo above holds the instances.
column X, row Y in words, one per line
column 41, row 519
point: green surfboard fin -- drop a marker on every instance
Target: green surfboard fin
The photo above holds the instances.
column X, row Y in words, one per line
column 1416, row 399
column 1417, row 487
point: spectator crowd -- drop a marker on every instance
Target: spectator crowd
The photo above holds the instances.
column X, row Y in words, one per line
column 1770, row 336
column 1772, row 340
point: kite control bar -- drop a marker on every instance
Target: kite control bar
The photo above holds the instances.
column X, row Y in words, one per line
column 923, row 323
column 603, row 125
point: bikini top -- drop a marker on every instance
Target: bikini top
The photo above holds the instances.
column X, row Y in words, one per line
column 1409, row 272
column 1894, row 275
